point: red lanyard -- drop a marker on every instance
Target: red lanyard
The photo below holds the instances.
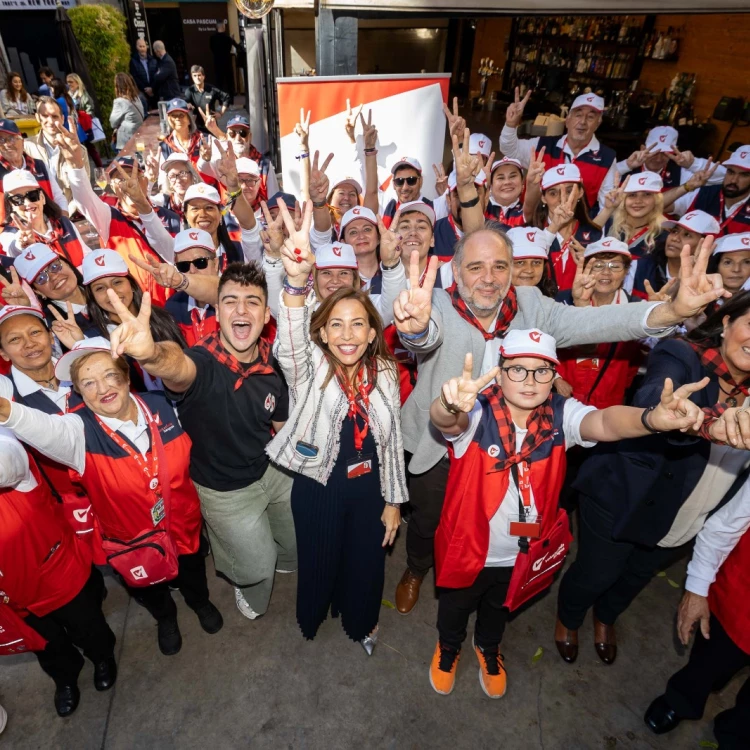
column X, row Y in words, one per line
column 358, row 407
column 198, row 319
column 455, row 229
column 731, row 215
column 524, row 483
column 633, row 241
column 565, row 245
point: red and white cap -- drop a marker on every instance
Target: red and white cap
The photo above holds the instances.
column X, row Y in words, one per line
column 529, row 343
column 190, row 238
column 695, row 221
column 560, row 174
column 174, row 159
column 10, row 311
column 662, row 139
column 644, row 182
column 588, row 100
column 351, row 180
column 100, row 263
column 740, row 159
column 407, row 161
column 479, row 179
column 33, row 260
column 80, row 349
column 505, row 161
column 19, row 178
column 335, row 255
column 358, row 212
column 732, row 243
column 201, row 190
column 423, row 208
column 607, row 245
column 527, row 242
column 248, row 166
column 479, row 143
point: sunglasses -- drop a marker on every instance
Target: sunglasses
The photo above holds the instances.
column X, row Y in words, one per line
column 401, row 181
column 183, row 266
column 55, row 267
column 183, row 175
column 237, row 133
column 19, row 200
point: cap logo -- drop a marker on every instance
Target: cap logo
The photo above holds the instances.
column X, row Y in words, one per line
column 745, row 240
column 530, row 236
column 200, row 189
column 560, row 171
column 337, row 250
column 663, row 138
column 99, row 260
column 743, row 154
column 29, row 256
column 355, row 211
column 589, row 98
column 607, row 243
column 481, row 144
column 193, row 236
column 689, row 216
column 535, row 336
column 642, row 180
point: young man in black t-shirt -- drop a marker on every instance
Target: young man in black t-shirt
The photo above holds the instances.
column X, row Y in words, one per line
column 230, row 395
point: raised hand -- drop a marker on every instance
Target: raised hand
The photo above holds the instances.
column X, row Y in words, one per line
column 563, row 213
column 25, row 235
column 700, row 178
column 12, row 291
column 460, row 394
column 693, row 609
column 732, row 428
column 615, row 197
column 514, row 113
column 369, row 131
column 302, row 129
column 487, row 168
column 210, row 120
column 206, row 148
column 351, row 120
column 675, row 411
column 467, row 166
column 319, row 184
column 683, row 159
column 274, row 232
column 456, row 123
column 226, row 166
column 296, row 253
column 133, row 335
column 413, row 308
column 441, row 179
column 536, row 169
column 390, row 241
column 65, row 328
column 151, row 167
column 663, row 295
column 130, row 186
column 638, row 158
column 583, row 283
column 70, row 147
column 165, row 274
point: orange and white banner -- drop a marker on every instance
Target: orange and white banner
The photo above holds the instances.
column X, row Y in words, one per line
column 407, row 110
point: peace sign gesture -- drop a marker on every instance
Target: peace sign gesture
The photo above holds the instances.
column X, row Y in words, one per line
column 536, row 169
column 441, row 179
column 210, row 121
column 206, row 147
column 226, row 166
column 273, row 235
column 319, row 184
column 151, row 167
column 413, row 307
column 296, row 253
column 133, row 335
column 70, row 147
column 351, row 120
column 700, row 178
column 638, row 158
column 369, row 131
column 65, row 328
column 302, row 129
column 390, row 241
column 467, row 166
column 663, row 295
column 675, row 410
column 563, row 213
column 25, row 235
column 12, row 291
column 683, row 159
column 130, row 186
column 460, row 394
column 583, row 282
column 514, row 113
column 165, row 274
column 456, row 123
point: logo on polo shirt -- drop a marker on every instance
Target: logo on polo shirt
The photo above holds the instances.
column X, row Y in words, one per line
column 642, row 180
column 493, row 451
column 270, row 402
column 99, row 261
column 530, row 236
column 193, row 236
column 29, row 256
column 535, row 336
column 337, row 250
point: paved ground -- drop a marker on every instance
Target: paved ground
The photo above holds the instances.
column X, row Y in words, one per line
column 261, row 685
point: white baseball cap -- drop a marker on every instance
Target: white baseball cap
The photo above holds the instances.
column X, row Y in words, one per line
column 248, row 166
column 80, row 349
column 479, row 179
column 335, row 255
column 695, row 221
column 731, row 243
column 588, row 100
column 33, row 260
column 503, row 162
column 662, row 139
column 607, row 245
column 100, row 263
column 479, row 143
column 10, row 311
column 740, row 159
column 350, row 180
column 527, row 242
column 174, row 158
column 423, row 208
column 644, row 182
column 407, row 161
column 189, row 238
column 201, row 190
column 358, row 212
column 529, row 343
column 560, row 174
column 19, row 178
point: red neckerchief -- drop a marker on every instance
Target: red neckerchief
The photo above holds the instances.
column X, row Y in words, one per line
column 54, row 241
column 633, row 241
column 565, row 245
column 256, row 156
column 358, row 396
column 198, row 320
column 28, row 165
column 731, row 215
column 505, row 315
column 711, row 359
column 454, row 228
column 212, row 343
column 193, row 149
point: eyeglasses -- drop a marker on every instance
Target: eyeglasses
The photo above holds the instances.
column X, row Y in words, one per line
column 249, row 181
column 55, row 267
column 9, row 141
column 401, row 181
column 237, row 133
column 177, row 114
column 613, row 265
column 19, row 200
column 183, row 175
column 183, row 266
column 518, row 374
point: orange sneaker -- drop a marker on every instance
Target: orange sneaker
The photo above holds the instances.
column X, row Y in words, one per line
column 443, row 669
column 492, row 675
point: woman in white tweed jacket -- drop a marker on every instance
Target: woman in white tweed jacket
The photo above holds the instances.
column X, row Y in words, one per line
column 343, row 439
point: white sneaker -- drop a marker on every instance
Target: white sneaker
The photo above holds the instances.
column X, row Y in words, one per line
column 3, row 719
column 243, row 606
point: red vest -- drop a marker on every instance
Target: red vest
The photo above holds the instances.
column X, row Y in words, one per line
column 407, row 362
column 119, row 489
column 65, row 242
column 475, row 490
column 34, row 577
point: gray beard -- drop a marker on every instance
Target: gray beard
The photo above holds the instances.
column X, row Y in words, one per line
column 478, row 310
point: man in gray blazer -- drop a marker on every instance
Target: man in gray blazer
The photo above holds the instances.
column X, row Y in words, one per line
column 440, row 327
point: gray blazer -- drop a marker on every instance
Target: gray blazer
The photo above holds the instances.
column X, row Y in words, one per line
column 127, row 117
column 441, row 356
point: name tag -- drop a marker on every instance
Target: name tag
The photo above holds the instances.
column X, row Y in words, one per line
column 359, row 466
column 528, row 526
column 157, row 512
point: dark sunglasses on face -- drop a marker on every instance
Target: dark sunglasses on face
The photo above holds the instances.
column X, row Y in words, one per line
column 183, row 266
column 401, row 181
column 55, row 267
column 19, row 200
column 237, row 133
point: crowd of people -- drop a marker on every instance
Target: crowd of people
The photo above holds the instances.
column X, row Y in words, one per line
column 282, row 381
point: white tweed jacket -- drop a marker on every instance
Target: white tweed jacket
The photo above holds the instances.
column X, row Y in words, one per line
column 317, row 414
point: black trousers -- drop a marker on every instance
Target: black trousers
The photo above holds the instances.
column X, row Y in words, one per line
column 191, row 580
column 426, row 495
column 606, row 575
column 712, row 664
column 79, row 624
column 487, row 596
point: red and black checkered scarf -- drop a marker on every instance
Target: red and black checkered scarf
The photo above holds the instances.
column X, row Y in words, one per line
column 711, row 359
column 508, row 310
column 540, row 425
column 193, row 150
column 28, row 165
column 256, row 156
column 261, row 366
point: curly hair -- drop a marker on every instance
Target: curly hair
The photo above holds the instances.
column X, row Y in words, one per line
column 244, row 274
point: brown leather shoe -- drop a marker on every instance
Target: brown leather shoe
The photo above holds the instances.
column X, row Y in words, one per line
column 566, row 642
column 605, row 641
column 407, row 592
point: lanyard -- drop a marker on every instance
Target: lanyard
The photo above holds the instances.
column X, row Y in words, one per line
column 357, row 408
column 524, row 484
column 198, row 319
column 633, row 241
column 456, row 231
column 562, row 258
column 730, row 215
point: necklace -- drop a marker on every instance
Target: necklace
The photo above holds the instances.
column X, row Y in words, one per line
column 47, row 382
column 730, row 400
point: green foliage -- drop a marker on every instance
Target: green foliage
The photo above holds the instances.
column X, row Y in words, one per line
column 101, row 34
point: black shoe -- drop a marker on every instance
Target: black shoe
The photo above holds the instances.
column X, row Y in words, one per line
column 210, row 618
column 170, row 640
column 66, row 699
column 105, row 674
column 660, row 717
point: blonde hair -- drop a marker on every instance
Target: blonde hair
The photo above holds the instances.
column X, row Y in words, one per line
column 356, row 283
column 79, row 82
column 622, row 231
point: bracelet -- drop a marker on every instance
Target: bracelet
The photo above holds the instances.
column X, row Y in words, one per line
column 469, row 204
column 448, row 407
column 232, row 196
column 413, row 336
column 297, row 291
column 644, row 419
column 303, row 156
column 371, row 151
column 393, row 505
column 390, row 268
column 183, row 283
column 320, row 204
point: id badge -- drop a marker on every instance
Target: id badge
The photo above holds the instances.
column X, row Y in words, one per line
column 359, row 466
column 157, row 512
column 529, row 526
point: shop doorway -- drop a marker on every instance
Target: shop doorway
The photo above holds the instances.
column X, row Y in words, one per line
column 165, row 24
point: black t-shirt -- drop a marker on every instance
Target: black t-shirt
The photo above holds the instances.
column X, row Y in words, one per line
column 229, row 429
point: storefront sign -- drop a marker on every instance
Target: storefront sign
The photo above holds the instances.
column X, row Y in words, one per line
column 199, row 22
column 137, row 18
column 35, row 4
